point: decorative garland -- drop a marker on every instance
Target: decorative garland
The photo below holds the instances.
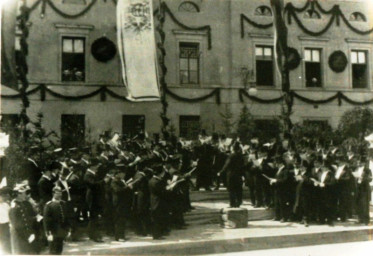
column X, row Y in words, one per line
column 103, row 49
column 103, row 90
column 292, row 11
column 58, row 11
column 173, row 18
column 243, row 18
column 338, row 61
column 338, row 96
column 215, row 92
column 164, row 6
column 243, row 92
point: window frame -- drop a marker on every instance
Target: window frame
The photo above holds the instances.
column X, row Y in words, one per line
column 191, row 3
column 181, row 126
column 73, row 38
column 357, row 14
column 257, row 45
column 198, row 63
column 312, row 49
column 63, row 142
column 256, row 13
column 368, row 72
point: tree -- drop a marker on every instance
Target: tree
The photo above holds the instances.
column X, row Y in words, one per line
column 356, row 123
column 245, row 125
column 37, row 145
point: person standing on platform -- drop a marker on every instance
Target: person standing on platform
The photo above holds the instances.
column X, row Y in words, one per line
column 157, row 187
column 364, row 193
column 235, row 174
column 56, row 222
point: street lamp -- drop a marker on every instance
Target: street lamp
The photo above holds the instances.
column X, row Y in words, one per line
column 247, row 78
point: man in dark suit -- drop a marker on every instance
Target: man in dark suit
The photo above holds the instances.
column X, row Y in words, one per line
column 56, row 222
column 157, row 188
column 234, row 168
column 93, row 199
column 46, row 184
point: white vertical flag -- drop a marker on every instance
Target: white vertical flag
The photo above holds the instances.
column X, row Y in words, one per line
column 137, row 50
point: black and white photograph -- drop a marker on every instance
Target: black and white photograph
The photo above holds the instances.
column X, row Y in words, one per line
column 186, row 127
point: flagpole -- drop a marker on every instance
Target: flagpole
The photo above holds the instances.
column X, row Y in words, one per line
column 163, row 84
column 281, row 50
column 22, row 65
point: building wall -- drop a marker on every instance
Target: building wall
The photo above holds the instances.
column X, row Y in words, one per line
column 220, row 66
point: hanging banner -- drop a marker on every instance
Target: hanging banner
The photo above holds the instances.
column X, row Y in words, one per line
column 8, row 12
column 137, row 50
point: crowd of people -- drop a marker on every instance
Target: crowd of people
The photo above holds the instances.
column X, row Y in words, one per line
column 144, row 184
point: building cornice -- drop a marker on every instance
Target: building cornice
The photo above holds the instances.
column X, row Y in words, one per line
column 189, row 32
column 73, row 26
column 359, row 41
column 315, row 39
column 257, row 35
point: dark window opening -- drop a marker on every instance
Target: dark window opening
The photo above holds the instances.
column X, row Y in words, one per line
column 359, row 69
column 312, row 59
column 73, row 59
column 264, row 65
column 133, row 125
column 189, row 63
column 72, row 130
column 189, row 127
column 266, row 129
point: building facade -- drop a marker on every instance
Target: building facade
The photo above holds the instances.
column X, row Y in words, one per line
column 215, row 51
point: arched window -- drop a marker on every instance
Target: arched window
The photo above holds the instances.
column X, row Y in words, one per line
column 357, row 16
column 312, row 14
column 263, row 11
column 188, row 6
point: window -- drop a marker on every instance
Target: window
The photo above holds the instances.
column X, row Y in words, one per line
column 357, row 16
column 72, row 130
column 312, row 58
column 189, row 63
column 359, row 69
column 267, row 129
column 188, row 7
column 189, row 127
column 312, row 14
column 264, row 65
column 263, row 11
column 73, row 59
column 74, row 1
column 133, row 124
column 318, row 124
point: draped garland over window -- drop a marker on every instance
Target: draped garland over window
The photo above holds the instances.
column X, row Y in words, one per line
column 103, row 91
column 340, row 96
column 165, row 8
column 335, row 13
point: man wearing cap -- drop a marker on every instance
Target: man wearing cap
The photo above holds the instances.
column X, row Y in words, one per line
column 23, row 222
column 56, row 222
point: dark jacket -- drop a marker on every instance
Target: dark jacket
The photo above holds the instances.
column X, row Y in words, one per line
column 56, row 219
column 157, row 188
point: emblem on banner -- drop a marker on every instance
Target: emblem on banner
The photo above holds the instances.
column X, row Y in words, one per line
column 139, row 17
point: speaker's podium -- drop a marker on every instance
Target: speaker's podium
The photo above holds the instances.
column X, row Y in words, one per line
column 234, row 217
